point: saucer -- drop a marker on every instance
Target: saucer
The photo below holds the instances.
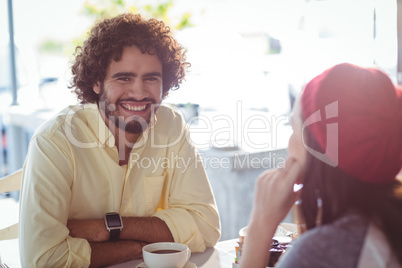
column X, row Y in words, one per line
column 189, row 264
column 282, row 239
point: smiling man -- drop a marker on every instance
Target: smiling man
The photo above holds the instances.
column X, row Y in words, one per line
column 106, row 177
column 129, row 96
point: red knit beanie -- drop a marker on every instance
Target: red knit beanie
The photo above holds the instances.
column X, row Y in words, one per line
column 355, row 114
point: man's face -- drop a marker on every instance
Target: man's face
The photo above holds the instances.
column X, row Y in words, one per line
column 131, row 91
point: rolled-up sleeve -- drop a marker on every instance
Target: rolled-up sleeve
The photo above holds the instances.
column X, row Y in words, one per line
column 191, row 212
column 44, row 208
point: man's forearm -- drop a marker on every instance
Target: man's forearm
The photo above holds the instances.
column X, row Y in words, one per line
column 110, row 253
column 149, row 229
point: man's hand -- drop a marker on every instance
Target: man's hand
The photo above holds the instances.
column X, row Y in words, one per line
column 110, row 253
column 91, row 230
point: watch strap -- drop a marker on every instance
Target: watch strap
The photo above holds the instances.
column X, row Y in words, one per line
column 114, row 235
column 114, row 225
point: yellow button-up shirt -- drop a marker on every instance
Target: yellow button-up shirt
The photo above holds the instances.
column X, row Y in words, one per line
column 72, row 171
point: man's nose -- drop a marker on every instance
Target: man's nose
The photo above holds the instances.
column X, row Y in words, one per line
column 138, row 90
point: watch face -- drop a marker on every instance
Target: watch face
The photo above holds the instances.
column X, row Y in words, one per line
column 113, row 220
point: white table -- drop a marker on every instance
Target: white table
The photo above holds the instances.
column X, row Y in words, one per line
column 220, row 256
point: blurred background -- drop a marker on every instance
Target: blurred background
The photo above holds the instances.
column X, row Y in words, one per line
column 257, row 52
column 250, row 59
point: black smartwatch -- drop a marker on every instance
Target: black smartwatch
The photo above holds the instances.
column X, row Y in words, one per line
column 114, row 225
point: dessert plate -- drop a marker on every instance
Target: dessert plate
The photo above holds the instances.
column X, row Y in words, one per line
column 189, row 264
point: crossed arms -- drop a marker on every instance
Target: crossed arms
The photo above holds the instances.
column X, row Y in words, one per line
column 137, row 232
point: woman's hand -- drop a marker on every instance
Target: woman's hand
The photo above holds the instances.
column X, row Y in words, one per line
column 274, row 197
column 274, row 194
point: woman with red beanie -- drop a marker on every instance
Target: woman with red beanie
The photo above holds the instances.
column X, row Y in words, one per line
column 346, row 150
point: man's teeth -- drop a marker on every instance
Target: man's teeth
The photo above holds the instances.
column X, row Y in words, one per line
column 134, row 108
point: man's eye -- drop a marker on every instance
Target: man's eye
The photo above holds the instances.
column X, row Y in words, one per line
column 123, row 79
column 151, row 79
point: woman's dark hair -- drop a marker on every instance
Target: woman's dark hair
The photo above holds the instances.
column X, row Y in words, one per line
column 106, row 42
column 341, row 193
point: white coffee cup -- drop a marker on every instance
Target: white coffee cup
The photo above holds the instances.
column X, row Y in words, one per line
column 166, row 255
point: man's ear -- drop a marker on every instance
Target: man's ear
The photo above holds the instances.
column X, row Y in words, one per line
column 96, row 88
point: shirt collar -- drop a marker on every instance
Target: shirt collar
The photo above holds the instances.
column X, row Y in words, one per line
column 98, row 125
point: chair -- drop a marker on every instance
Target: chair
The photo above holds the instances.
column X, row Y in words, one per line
column 10, row 183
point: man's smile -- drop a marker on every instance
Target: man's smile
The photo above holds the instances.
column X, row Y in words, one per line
column 131, row 107
column 140, row 108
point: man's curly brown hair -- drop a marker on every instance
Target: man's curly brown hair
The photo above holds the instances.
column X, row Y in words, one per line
column 106, row 42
